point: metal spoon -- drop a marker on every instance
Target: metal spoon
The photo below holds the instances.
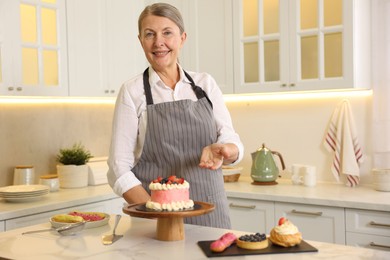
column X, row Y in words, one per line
column 67, row 230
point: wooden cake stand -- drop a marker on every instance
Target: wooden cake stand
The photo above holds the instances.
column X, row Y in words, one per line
column 170, row 224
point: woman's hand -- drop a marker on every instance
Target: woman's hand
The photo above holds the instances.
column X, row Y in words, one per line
column 214, row 155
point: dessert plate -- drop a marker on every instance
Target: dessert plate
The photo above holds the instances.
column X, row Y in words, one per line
column 88, row 224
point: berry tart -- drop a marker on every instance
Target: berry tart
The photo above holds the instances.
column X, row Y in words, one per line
column 252, row 241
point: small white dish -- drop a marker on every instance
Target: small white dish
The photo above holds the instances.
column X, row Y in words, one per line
column 88, row 224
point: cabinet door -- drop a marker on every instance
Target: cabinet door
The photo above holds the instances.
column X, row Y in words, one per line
column 104, row 50
column 319, row 223
column 300, row 45
column 34, row 48
column 44, row 217
column 251, row 215
column 368, row 222
column 2, row 226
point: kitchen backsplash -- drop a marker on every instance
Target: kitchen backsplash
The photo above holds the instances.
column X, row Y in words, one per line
column 33, row 133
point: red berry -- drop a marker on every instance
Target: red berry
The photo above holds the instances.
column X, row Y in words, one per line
column 282, row 220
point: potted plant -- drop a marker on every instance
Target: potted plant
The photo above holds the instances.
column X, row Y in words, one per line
column 72, row 169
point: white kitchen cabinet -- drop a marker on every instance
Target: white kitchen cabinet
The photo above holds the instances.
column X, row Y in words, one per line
column 251, row 215
column 33, row 48
column 104, row 50
column 299, row 45
column 319, row 223
column 109, row 206
column 367, row 228
column 209, row 45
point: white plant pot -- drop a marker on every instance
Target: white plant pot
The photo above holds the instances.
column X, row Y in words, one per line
column 72, row 176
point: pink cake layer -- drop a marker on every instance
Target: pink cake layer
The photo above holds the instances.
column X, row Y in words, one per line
column 169, row 196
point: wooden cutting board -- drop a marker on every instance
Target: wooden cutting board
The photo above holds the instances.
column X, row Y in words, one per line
column 271, row 249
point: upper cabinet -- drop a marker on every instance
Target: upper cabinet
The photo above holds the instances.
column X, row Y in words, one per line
column 33, row 50
column 295, row 45
column 103, row 47
column 209, row 44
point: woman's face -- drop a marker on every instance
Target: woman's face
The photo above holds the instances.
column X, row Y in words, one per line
column 161, row 40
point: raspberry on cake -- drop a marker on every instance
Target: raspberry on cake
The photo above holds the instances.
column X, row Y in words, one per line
column 285, row 234
column 169, row 194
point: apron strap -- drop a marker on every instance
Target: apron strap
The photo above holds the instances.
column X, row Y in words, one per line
column 199, row 92
column 148, row 91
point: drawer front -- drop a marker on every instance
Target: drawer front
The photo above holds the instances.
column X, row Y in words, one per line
column 368, row 241
column 368, row 222
column 251, row 215
column 45, row 217
column 319, row 223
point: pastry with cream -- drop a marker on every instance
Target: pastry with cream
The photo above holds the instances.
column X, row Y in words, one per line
column 285, row 234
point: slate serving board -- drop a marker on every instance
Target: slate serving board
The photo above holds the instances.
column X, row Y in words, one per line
column 271, row 249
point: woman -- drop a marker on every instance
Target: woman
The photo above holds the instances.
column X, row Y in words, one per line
column 166, row 125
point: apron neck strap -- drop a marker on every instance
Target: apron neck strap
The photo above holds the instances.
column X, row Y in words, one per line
column 199, row 92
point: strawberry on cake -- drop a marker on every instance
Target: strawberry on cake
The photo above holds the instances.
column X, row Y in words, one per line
column 169, row 194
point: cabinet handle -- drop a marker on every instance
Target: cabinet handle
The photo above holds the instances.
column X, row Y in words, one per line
column 232, row 205
column 10, row 88
column 284, row 85
column 112, row 91
column 19, row 89
column 106, row 91
column 372, row 223
column 292, row 85
column 306, row 212
column 378, row 245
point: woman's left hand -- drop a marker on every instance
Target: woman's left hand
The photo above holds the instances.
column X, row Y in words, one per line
column 214, row 155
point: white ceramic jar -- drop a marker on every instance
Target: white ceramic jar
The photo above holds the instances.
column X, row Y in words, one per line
column 381, row 179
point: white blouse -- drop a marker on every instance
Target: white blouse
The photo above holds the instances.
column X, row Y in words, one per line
column 130, row 119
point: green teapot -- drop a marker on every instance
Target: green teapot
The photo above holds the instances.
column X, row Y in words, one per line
column 264, row 169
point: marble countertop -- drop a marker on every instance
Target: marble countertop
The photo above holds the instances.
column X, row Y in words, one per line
column 326, row 194
column 56, row 200
column 139, row 242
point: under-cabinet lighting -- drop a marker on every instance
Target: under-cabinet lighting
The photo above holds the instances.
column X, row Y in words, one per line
column 297, row 95
column 227, row 97
column 56, row 100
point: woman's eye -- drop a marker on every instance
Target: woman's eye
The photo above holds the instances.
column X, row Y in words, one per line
column 167, row 33
column 148, row 35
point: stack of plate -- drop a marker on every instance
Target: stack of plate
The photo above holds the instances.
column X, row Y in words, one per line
column 22, row 193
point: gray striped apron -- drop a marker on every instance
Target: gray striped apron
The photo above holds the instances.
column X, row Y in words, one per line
column 175, row 136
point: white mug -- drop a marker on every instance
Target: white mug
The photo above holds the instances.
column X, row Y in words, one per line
column 310, row 176
column 297, row 172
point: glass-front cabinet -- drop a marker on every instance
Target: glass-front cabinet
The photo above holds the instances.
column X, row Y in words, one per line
column 33, row 50
column 295, row 45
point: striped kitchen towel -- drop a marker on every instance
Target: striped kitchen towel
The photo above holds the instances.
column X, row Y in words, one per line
column 341, row 140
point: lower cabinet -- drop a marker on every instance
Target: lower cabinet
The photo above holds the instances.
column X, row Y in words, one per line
column 2, row 226
column 368, row 228
column 110, row 206
column 319, row 223
column 251, row 215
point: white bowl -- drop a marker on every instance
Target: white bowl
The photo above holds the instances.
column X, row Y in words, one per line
column 381, row 179
column 88, row 224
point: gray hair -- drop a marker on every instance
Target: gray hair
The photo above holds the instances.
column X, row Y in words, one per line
column 162, row 10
